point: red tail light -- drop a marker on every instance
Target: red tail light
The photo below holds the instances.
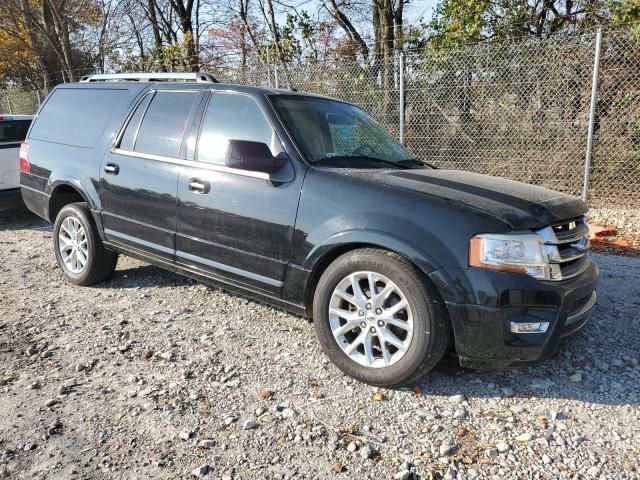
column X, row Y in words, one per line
column 25, row 166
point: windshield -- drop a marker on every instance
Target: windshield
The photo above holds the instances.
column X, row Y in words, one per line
column 338, row 134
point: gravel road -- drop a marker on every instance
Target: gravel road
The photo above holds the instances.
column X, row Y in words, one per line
column 151, row 375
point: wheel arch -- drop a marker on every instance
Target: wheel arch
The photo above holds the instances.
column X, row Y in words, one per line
column 64, row 193
column 322, row 256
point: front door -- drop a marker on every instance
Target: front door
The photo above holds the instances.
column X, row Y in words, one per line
column 232, row 223
column 139, row 178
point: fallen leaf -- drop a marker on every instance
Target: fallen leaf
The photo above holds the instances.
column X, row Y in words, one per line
column 338, row 467
column 460, row 432
column 263, row 395
column 378, row 397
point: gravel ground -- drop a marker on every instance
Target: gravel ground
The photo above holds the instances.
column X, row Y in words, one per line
column 151, row 375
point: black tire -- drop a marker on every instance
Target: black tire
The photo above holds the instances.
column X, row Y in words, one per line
column 431, row 330
column 100, row 263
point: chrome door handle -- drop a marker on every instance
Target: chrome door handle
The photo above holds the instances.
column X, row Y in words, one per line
column 112, row 168
column 199, row 186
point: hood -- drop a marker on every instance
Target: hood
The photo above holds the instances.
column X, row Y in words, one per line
column 519, row 205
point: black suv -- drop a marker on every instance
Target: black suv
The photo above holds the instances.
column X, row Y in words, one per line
column 309, row 204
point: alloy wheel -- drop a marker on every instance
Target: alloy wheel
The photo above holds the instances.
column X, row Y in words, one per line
column 73, row 246
column 371, row 319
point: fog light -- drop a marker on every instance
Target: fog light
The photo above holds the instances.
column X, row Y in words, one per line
column 529, row 327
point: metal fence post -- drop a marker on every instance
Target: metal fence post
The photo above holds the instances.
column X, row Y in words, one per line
column 592, row 117
column 401, row 81
column 268, row 70
column 275, row 73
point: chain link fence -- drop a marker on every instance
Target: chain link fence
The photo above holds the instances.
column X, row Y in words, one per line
column 517, row 110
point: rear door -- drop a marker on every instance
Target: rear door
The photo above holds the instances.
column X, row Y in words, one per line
column 12, row 133
column 234, row 223
column 139, row 177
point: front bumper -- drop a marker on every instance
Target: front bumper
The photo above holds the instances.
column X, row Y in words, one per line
column 483, row 330
column 10, row 199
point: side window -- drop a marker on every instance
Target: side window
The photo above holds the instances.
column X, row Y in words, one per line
column 129, row 136
column 162, row 127
column 77, row 116
column 232, row 117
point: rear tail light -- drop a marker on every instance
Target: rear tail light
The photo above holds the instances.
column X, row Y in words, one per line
column 25, row 166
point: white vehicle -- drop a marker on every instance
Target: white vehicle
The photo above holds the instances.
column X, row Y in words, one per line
column 13, row 130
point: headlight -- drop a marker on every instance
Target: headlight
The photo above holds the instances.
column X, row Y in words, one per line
column 510, row 253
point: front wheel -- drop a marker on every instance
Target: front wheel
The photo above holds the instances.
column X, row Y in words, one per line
column 378, row 319
column 78, row 248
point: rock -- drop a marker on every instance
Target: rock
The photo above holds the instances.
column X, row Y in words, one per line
column 207, row 443
column 81, row 367
column 524, row 437
column 502, row 447
column 200, row 471
column 459, row 414
column 288, row 413
column 260, row 411
column 576, row 378
column 451, row 473
column 546, row 459
column 457, row 398
column 352, row 447
column 228, row 420
column 186, row 435
column 70, row 383
column 402, row 475
column 493, row 453
column 167, row 355
column 366, row 452
column 550, row 414
column 50, row 403
column 249, row 424
column 445, row 449
column 600, row 365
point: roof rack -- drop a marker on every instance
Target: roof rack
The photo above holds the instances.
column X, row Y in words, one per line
column 199, row 77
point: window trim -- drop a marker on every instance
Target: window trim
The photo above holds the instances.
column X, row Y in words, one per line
column 193, row 163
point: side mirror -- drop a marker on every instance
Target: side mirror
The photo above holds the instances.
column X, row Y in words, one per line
column 252, row 156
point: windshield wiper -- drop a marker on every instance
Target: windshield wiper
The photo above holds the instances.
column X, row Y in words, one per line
column 360, row 157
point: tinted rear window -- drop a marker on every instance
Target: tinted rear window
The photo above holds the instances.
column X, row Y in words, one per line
column 13, row 130
column 76, row 116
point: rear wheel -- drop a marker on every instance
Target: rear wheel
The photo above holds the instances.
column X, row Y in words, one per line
column 78, row 248
column 378, row 319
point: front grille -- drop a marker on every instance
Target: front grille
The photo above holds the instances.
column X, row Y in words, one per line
column 568, row 245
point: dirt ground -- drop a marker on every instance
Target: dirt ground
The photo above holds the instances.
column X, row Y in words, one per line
column 151, row 375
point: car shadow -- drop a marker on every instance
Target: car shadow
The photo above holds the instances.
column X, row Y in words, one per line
column 22, row 219
column 144, row 276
